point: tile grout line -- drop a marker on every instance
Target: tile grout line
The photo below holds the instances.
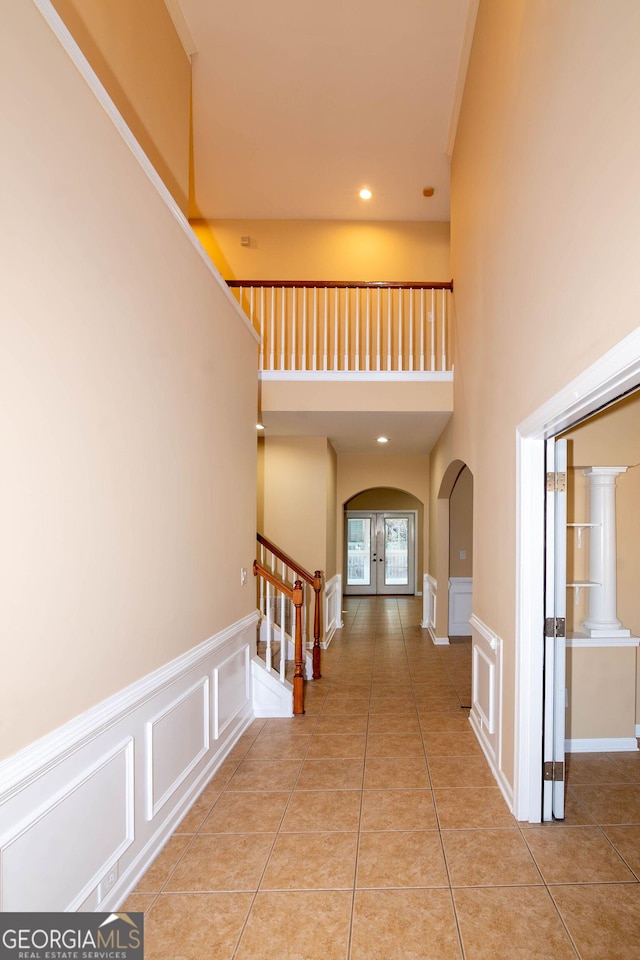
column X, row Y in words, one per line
column 269, row 855
column 441, row 838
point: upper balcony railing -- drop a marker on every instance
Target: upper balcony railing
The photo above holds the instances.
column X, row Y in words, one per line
column 311, row 329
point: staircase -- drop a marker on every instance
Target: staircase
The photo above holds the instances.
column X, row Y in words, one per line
column 285, row 657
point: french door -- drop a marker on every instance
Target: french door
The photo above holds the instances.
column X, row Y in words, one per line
column 555, row 640
column 380, row 552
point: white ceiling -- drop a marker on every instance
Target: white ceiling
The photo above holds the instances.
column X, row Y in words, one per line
column 299, row 103
column 408, row 433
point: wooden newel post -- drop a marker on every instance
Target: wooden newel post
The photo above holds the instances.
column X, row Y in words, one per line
column 317, row 625
column 298, row 675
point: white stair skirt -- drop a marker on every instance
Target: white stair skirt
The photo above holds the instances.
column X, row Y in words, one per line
column 271, row 697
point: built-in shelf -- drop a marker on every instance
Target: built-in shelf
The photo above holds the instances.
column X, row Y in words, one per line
column 580, row 527
column 578, row 585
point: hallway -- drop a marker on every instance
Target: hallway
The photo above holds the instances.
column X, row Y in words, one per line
column 372, row 829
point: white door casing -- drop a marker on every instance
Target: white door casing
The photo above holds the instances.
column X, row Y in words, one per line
column 555, row 639
column 612, row 376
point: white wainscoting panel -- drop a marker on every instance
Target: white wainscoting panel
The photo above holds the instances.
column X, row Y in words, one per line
column 231, row 690
column 86, row 809
column 430, row 607
column 177, row 738
column 460, row 600
column 31, row 855
column 484, row 689
column 428, row 616
column 332, row 608
column 486, row 699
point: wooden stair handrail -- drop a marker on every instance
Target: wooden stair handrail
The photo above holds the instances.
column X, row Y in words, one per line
column 273, row 580
column 316, row 582
column 287, row 560
column 344, row 284
column 296, row 595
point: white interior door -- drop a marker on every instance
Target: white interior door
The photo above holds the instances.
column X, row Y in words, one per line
column 380, row 552
column 555, row 642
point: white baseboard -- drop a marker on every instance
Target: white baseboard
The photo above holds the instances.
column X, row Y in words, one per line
column 438, row 641
column 601, row 745
column 505, row 787
column 103, row 793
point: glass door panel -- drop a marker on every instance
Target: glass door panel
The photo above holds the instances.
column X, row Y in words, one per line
column 359, row 542
column 396, row 551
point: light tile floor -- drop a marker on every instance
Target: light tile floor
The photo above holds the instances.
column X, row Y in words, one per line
column 372, row 829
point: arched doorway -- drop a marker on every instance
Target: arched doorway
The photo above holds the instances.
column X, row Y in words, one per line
column 461, row 554
column 453, row 584
column 382, row 542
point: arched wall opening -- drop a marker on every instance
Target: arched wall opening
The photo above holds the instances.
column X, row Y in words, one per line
column 451, row 579
column 384, row 500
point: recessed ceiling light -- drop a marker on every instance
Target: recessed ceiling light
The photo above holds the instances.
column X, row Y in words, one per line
column 365, row 194
column 383, row 439
column 259, row 426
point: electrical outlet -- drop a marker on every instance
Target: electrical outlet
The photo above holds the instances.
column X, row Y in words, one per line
column 463, row 554
column 107, row 883
column 243, row 576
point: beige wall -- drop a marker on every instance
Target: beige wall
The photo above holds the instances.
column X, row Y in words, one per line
column 327, row 250
column 545, row 208
column 601, row 691
column 461, row 526
column 260, row 486
column 297, row 480
column 135, row 51
column 128, row 479
column 360, row 472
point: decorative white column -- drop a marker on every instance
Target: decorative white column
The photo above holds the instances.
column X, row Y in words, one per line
column 602, row 620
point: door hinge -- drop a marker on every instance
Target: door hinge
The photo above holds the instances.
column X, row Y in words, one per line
column 556, row 482
column 555, row 627
column 553, row 770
